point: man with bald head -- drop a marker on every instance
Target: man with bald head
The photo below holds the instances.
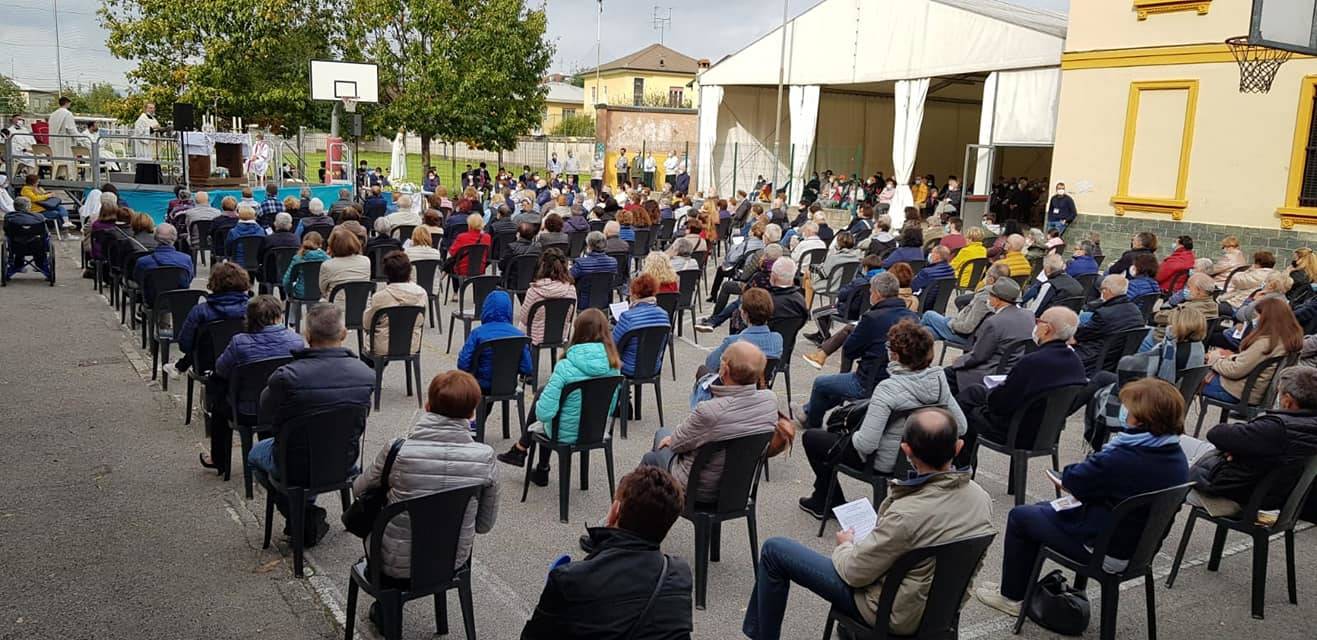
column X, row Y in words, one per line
column 1053, row 365
column 738, row 408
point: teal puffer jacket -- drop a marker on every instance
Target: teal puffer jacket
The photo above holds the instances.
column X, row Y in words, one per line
column 582, row 362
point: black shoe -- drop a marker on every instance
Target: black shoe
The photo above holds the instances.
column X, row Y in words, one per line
column 816, row 338
column 376, row 616
column 316, row 528
column 201, row 457
column 587, row 545
column 813, row 507
column 540, row 477
column 514, row 456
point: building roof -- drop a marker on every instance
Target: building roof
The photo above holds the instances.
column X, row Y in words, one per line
column 563, row 92
column 23, row 86
column 655, row 57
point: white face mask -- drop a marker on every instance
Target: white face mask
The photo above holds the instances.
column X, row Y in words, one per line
column 1036, row 338
column 1060, row 192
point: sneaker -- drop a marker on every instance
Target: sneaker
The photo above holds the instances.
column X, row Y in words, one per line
column 813, row 507
column 816, row 338
column 172, row 372
column 815, row 359
column 67, row 225
column 704, row 326
column 540, row 477
column 989, row 593
column 514, row 456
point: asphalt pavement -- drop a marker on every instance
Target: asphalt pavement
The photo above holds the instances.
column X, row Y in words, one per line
column 112, row 530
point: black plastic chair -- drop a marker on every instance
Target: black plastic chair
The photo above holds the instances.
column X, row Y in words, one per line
column 738, row 488
column 1120, row 344
column 1073, row 303
column 593, row 432
column 1247, row 522
column 376, row 257
column 789, row 329
column 555, row 315
column 273, row 267
column 499, row 244
column 435, row 532
column 976, row 268
column 665, row 231
column 1231, row 276
column 840, row 274
column 176, row 305
column 425, row 275
column 1243, row 408
column 479, row 287
column 403, row 320
column 1158, row 508
column 954, row 564
column 866, row 472
column 688, row 287
column 356, row 295
column 504, row 385
column 1146, row 303
column 650, row 342
column 323, row 229
column 811, row 258
column 1088, row 283
column 640, row 246
column 576, row 243
column 199, row 229
column 315, row 454
column 941, row 290
column 293, row 304
column 473, row 257
column 1056, row 406
column 668, row 303
column 157, row 280
column 403, row 232
column 211, row 340
column 251, row 254
column 917, row 265
column 701, row 259
column 600, row 287
column 519, row 274
column 623, row 276
column 248, row 382
column 562, row 247
column 1190, row 382
column 597, row 225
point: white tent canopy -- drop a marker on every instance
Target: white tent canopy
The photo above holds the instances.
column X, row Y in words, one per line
column 1016, row 48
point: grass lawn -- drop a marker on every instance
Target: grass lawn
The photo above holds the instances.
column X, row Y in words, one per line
column 448, row 170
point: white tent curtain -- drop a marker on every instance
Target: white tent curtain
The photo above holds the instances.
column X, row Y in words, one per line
column 398, row 164
column 711, row 98
column 909, row 98
column 803, row 103
column 1026, row 105
column 983, row 164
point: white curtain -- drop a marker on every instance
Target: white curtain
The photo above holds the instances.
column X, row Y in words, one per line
column 1026, row 105
column 398, row 166
column 983, row 164
column 711, row 98
column 909, row 100
column 803, row 103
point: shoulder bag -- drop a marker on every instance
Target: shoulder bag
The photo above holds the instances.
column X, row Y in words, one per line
column 644, row 613
column 1058, row 607
column 359, row 519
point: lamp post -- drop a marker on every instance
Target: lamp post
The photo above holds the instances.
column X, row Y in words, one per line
column 781, row 76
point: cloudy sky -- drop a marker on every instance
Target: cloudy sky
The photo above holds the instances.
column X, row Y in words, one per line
column 27, row 33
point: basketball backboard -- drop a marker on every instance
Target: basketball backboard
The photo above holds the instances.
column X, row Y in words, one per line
column 1290, row 25
column 336, row 81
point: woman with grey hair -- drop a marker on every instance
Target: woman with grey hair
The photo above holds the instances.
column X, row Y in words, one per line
column 382, row 241
column 281, row 236
column 680, row 256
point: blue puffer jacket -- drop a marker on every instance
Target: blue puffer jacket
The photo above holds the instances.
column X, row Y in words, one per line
column 274, row 341
column 582, row 362
column 590, row 262
column 241, row 230
column 643, row 313
column 317, row 379
column 220, row 306
column 495, row 322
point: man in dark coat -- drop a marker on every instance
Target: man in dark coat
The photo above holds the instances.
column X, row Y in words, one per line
column 1059, row 286
column 606, row 594
column 1112, row 313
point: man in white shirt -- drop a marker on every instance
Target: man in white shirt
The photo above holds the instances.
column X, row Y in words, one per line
column 143, row 129
column 572, row 167
column 809, row 240
column 63, row 132
column 670, row 169
column 650, row 166
column 555, row 166
column 21, row 142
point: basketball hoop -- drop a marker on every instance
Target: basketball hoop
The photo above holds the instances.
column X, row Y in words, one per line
column 1257, row 64
column 350, row 104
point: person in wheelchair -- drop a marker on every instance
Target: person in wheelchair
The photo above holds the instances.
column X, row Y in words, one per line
column 27, row 240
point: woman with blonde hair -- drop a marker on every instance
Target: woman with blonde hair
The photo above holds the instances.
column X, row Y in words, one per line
column 421, row 246
column 658, row 265
column 1303, row 269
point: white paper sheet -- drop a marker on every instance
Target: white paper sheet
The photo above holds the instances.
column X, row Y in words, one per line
column 858, row 516
column 994, row 381
column 617, row 308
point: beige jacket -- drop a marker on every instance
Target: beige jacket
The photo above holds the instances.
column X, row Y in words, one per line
column 1164, row 317
column 734, row 411
column 938, row 508
column 394, row 294
column 336, row 271
column 1235, row 369
column 1228, row 261
column 1244, row 283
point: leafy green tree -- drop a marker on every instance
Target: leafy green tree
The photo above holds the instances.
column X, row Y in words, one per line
column 456, row 71
column 245, row 58
column 99, row 99
column 10, row 99
column 576, row 126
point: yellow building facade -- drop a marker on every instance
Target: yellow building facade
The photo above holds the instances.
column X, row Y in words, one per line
column 1152, row 124
column 653, row 76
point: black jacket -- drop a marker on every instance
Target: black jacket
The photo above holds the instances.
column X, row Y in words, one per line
column 788, row 303
column 1276, row 439
column 1052, row 366
column 602, row 596
column 868, row 342
column 1122, row 266
column 1109, row 317
column 1062, row 286
column 316, row 379
column 279, row 239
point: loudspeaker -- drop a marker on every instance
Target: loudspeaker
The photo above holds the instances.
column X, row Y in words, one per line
column 356, row 125
column 183, row 117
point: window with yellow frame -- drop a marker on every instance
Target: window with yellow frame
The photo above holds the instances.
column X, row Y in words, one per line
column 1144, row 8
column 1173, row 204
column 1301, row 190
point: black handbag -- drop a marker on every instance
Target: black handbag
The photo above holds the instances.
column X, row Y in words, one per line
column 1058, row 607
column 847, row 417
column 359, row 518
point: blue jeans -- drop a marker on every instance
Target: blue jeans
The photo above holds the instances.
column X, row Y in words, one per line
column 940, row 325
column 828, row 392
column 1215, row 391
column 717, row 319
column 656, row 457
column 53, row 209
column 262, row 457
column 1028, row 528
column 781, row 562
column 1059, row 225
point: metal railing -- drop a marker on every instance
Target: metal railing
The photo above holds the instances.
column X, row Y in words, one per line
column 90, row 163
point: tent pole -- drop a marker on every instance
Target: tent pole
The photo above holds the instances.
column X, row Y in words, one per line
column 736, row 147
column 781, row 76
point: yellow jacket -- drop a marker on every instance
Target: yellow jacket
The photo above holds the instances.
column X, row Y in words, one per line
column 920, row 192
column 971, row 251
column 1017, row 262
column 35, row 194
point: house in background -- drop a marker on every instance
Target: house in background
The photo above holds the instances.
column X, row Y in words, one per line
column 35, row 100
column 664, row 76
column 563, row 100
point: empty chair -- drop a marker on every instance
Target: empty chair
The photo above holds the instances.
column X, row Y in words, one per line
column 398, row 347
column 478, row 287
column 596, row 397
column 1056, row 406
column 356, row 295
column 505, row 356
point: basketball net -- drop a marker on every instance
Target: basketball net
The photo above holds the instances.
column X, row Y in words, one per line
column 349, row 105
column 1257, row 64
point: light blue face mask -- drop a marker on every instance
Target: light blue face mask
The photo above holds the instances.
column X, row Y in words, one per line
column 1124, row 417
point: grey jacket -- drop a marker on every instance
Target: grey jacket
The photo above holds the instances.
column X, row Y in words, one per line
column 998, row 330
column 903, row 390
column 438, row 455
column 734, row 411
column 967, row 320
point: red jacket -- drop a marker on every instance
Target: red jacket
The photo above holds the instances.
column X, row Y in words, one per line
column 464, row 239
column 1180, row 261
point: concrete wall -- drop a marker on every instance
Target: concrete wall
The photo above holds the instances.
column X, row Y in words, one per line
column 637, row 129
column 1116, row 232
column 1115, row 24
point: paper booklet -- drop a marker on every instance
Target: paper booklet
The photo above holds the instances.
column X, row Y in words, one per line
column 618, row 308
column 858, row 516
